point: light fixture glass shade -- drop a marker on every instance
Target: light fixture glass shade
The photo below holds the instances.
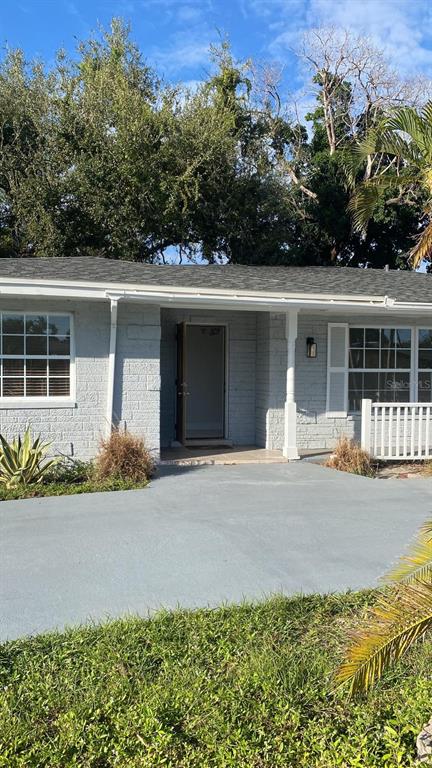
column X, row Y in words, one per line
column 311, row 347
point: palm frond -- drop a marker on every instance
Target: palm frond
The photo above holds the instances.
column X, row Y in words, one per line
column 427, row 112
column 419, row 130
column 426, row 529
column 417, row 564
column 363, row 204
column 423, row 248
column 393, row 625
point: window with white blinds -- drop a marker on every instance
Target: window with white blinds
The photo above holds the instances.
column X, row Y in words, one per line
column 35, row 355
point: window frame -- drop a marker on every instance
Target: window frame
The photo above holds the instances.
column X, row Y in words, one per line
column 418, row 368
column 43, row 401
column 412, row 370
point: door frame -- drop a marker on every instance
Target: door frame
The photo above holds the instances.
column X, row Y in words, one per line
column 182, row 416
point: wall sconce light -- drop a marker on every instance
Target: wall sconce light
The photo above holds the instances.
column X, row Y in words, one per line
column 311, row 347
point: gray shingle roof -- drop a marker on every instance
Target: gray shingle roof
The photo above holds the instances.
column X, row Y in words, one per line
column 399, row 285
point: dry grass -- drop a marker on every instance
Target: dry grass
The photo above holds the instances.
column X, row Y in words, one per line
column 125, row 457
column 349, row 457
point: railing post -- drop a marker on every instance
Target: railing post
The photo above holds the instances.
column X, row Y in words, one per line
column 366, row 419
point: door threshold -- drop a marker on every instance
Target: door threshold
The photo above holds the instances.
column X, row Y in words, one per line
column 207, row 443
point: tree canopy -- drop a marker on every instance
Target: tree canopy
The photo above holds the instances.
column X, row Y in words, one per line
column 100, row 156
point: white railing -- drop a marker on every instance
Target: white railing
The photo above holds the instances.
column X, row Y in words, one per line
column 392, row 431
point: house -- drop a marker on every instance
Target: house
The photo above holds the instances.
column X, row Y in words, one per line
column 278, row 357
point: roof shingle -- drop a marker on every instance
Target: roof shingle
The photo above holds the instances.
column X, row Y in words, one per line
column 344, row 281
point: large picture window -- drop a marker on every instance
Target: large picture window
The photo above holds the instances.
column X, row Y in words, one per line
column 424, row 365
column 35, row 355
column 379, row 363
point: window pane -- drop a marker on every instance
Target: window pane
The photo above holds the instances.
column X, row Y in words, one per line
column 59, row 367
column 354, row 403
column 59, row 325
column 36, row 345
column 13, row 387
column 403, row 358
column 402, row 384
column 28, row 341
column 371, row 381
column 425, row 358
column 36, row 324
column 356, row 358
column 59, row 387
column 356, row 337
column 36, row 387
column 13, row 367
column 13, row 323
column 371, row 358
column 355, row 381
column 372, row 337
column 13, row 345
column 387, row 337
column 425, row 337
column 403, row 337
column 355, row 389
column 424, row 387
column 59, row 345
column 36, row 367
column 386, row 385
column 388, row 358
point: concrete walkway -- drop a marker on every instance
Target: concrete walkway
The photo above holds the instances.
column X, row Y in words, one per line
column 199, row 536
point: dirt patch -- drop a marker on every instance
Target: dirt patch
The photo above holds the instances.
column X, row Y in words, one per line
column 403, row 470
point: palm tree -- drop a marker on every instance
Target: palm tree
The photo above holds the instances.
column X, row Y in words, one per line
column 402, row 614
column 400, row 148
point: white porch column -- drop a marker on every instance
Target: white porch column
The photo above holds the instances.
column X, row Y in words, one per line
column 111, row 364
column 290, row 426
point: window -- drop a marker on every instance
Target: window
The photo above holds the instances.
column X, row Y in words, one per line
column 35, row 355
column 424, row 365
column 379, row 365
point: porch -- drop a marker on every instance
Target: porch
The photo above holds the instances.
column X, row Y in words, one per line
column 227, row 386
column 269, row 399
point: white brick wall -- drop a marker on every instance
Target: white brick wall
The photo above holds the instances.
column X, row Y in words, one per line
column 77, row 431
column 145, row 392
column 137, row 374
column 314, row 429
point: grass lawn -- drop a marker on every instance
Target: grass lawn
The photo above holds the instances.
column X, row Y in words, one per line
column 57, row 488
column 246, row 686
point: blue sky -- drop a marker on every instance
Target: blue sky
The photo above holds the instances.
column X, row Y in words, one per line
column 174, row 35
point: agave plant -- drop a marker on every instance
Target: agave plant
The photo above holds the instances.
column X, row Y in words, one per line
column 402, row 614
column 21, row 460
column 404, row 139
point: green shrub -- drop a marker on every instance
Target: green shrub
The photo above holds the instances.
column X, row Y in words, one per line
column 124, row 456
column 69, row 470
column 21, row 460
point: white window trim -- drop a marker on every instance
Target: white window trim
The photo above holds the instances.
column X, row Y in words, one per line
column 332, row 369
column 413, row 370
column 48, row 401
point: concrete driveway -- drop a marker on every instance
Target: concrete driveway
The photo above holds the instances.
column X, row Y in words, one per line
column 199, row 536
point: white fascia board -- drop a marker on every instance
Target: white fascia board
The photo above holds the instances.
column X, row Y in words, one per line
column 86, row 287
column 211, row 298
column 257, row 302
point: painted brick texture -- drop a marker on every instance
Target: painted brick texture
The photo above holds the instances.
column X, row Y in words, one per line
column 145, row 391
column 314, row 429
column 76, row 431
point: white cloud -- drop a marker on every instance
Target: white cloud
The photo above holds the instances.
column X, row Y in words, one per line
column 189, row 35
column 183, row 52
column 399, row 28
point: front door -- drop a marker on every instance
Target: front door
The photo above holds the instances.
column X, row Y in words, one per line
column 200, row 382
